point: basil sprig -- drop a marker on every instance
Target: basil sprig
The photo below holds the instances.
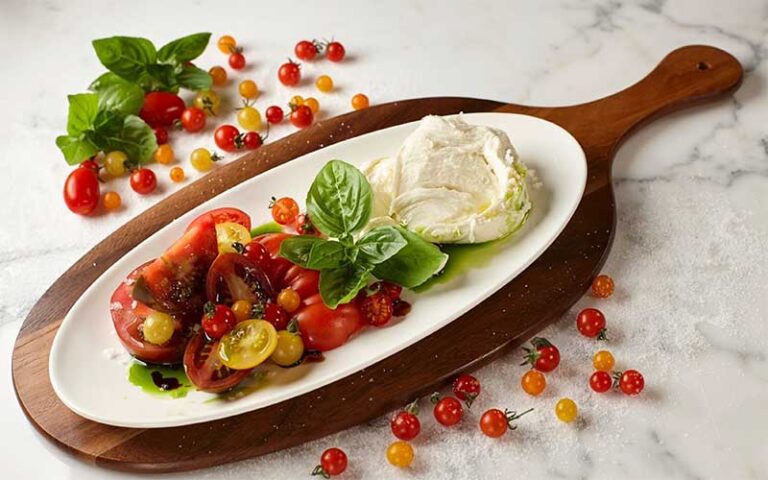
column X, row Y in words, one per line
column 339, row 203
column 136, row 60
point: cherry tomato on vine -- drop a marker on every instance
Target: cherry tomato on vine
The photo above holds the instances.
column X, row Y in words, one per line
column 284, row 210
column 228, row 138
column 533, row 382
column 305, row 50
column 400, row 454
column 226, row 44
column 218, row 320
column 81, row 191
column 143, row 181
column 302, row 116
column 289, row 73
column 236, row 61
column 218, row 75
column 405, row 425
column 591, row 323
column 448, row 411
column 161, row 135
column 377, row 309
column 631, row 382
column 494, row 423
column 542, row 355
column 600, row 381
column 467, row 388
column 359, row 101
column 252, row 140
column 602, row 286
column 193, row 119
column 332, row 462
column 603, row 360
column 335, row 52
column 274, row 114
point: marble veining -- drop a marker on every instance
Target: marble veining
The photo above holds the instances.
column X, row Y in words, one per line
column 689, row 254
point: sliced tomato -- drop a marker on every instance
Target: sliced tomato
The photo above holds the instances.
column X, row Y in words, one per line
column 325, row 329
column 223, row 215
column 235, row 277
column 175, row 282
column 204, row 368
column 279, row 265
column 128, row 315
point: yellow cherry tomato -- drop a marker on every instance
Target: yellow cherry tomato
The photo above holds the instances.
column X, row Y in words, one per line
column 176, row 174
column 114, row 163
column 218, row 75
column 111, row 200
column 313, row 104
column 324, row 83
column 164, row 154
column 248, row 344
column 201, row 159
column 208, row 101
column 158, row 328
column 288, row 299
column 359, row 101
column 289, row 348
column 228, row 233
column 226, row 44
column 248, row 89
column 566, row 410
column 533, row 382
column 242, row 310
column 603, row 361
column 249, row 118
column 400, row 454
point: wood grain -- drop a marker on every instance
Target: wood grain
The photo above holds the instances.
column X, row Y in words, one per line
column 541, row 294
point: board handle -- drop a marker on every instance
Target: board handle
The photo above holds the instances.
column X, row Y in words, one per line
column 687, row 76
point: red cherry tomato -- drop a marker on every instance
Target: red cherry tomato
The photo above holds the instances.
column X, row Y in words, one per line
column 81, row 191
column 448, row 411
column 161, row 109
column 301, row 116
column 161, row 135
column 252, row 140
column 405, row 425
column 325, row 329
column 542, row 355
column 218, row 320
column 335, row 52
column 143, row 181
column 90, row 165
column 591, row 323
column 467, row 388
column 494, row 423
column 377, row 309
column 256, row 252
column 228, row 138
column 236, row 61
column 305, row 50
column 193, row 119
column 285, row 210
column 600, row 381
column 274, row 114
column 274, row 314
column 333, row 461
column 631, row 382
column 304, row 225
column 289, row 74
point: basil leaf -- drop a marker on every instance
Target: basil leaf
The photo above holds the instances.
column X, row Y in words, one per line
column 380, row 244
column 130, row 135
column 413, row 264
column 297, row 249
column 83, row 108
column 75, row 149
column 326, row 255
column 193, row 78
column 159, row 76
column 184, row 49
column 340, row 285
column 105, row 80
column 339, row 200
column 125, row 98
column 127, row 57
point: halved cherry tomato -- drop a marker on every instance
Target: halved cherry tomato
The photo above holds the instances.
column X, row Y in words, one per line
column 235, row 277
column 161, row 109
column 224, row 215
column 205, row 369
column 325, row 329
column 128, row 315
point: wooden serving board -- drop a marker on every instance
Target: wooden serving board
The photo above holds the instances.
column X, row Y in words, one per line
column 538, row 296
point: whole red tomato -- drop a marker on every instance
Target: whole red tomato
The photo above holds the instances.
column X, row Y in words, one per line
column 161, row 109
column 289, row 74
column 81, row 191
column 193, row 119
column 305, row 50
column 542, row 355
column 143, row 181
column 335, row 52
column 302, row 117
column 448, row 411
column 228, row 138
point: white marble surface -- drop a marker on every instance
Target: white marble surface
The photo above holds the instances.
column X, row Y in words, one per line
column 689, row 258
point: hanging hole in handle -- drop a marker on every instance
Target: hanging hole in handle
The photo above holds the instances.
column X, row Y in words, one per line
column 703, row 66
